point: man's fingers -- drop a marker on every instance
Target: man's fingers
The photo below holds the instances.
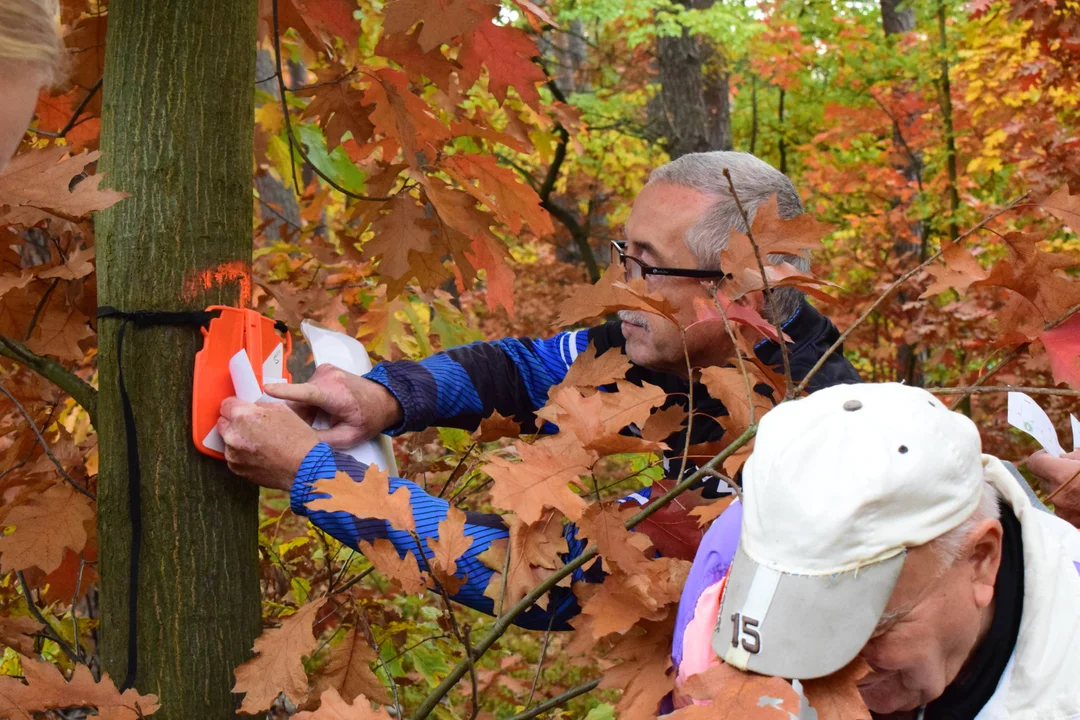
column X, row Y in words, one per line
column 341, row 436
column 305, row 393
column 234, row 407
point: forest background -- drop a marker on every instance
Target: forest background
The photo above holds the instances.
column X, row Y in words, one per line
column 424, row 186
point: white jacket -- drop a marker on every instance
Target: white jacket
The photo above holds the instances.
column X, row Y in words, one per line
column 1042, row 679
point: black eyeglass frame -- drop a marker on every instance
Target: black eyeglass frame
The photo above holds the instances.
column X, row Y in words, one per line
column 618, row 248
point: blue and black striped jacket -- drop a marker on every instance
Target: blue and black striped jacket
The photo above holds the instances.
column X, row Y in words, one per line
column 461, row 386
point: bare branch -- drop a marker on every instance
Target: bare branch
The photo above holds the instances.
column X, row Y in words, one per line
column 45, row 445
column 972, row 389
column 74, row 119
column 1051, row 496
column 892, row 288
column 770, row 297
column 540, row 660
column 72, row 654
column 556, row 701
column 80, row 390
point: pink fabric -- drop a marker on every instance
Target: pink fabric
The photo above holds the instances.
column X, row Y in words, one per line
column 698, row 655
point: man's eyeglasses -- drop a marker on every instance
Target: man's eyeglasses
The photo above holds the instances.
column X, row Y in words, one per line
column 635, row 268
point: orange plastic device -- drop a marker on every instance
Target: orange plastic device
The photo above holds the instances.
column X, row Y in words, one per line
column 235, row 329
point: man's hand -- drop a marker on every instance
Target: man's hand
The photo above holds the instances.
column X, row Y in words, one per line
column 1055, row 472
column 359, row 409
column 264, row 442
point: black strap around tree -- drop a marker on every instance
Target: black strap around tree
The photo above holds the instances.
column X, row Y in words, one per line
column 141, row 319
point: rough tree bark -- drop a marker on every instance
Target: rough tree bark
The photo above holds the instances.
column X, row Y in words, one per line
column 695, row 115
column 177, row 126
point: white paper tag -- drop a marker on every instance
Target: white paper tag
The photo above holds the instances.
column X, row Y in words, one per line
column 273, row 367
column 1025, row 414
column 245, row 385
column 1076, row 432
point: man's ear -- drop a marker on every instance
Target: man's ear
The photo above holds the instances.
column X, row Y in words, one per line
column 755, row 301
column 983, row 556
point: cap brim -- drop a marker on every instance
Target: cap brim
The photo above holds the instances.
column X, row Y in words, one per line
column 800, row 626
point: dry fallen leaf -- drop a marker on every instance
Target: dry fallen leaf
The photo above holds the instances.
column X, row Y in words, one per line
column 369, row 498
column 278, row 667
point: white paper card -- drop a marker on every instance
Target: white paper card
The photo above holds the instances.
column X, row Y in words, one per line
column 1076, row 432
column 274, row 366
column 245, row 385
column 1025, row 414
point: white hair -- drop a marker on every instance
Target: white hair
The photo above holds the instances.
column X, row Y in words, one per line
column 948, row 546
column 755, row 182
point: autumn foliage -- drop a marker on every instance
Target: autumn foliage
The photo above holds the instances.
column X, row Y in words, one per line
column 423, row 171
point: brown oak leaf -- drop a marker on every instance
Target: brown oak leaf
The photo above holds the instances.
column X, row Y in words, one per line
column 45, row 525
column 45, row 689
column 348, row 671
column 278, row 667
column 333, row 707
column 733, row 693
column 384, row 556
column 542, row 479
column 836, row 696
column 369, row 498
column 496, row 427
column 452, row 541
column 35, row 185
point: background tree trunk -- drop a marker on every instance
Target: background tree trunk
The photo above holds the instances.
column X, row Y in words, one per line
column 693, row 108
column 177, row 127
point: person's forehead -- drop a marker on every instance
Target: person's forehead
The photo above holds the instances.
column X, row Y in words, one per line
column 662, row 213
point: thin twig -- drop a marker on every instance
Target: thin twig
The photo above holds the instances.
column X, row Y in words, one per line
column 73, row 655
column 454, row 477
column 729, row 482
column 971, row 389
column 556, row 701
column 1061, row 487
column 293, row 140
column 451, row 619
column 45, row 445
column 689, row 404
column 74, row 116
column 738, row 355
column 540, row 661
column 378, row 656
column 889, row 291
column 354, row 580
column 503, row 623
column 75, row 603
column 767, row 289
column 80, row 390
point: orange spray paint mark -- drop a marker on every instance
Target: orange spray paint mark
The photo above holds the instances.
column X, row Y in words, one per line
column 201, row 281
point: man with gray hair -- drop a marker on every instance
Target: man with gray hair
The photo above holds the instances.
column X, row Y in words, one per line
column 676, row 230
column 678, row 225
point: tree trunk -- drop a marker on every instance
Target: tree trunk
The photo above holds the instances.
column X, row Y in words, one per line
column 177, row 126
column 898, row 17
column 694, row 107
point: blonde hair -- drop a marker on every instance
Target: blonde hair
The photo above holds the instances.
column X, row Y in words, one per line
column 30, row 35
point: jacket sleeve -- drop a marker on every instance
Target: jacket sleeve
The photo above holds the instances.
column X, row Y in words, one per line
column 429, row 511
column 460, row 387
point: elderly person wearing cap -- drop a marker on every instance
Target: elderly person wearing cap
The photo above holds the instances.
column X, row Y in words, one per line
column 873, row 527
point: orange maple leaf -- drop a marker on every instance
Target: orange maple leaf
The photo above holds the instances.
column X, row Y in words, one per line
column 278, row 667
column 369, row 498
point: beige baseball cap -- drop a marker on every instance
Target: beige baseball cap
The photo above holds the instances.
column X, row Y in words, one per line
column 839, row 485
